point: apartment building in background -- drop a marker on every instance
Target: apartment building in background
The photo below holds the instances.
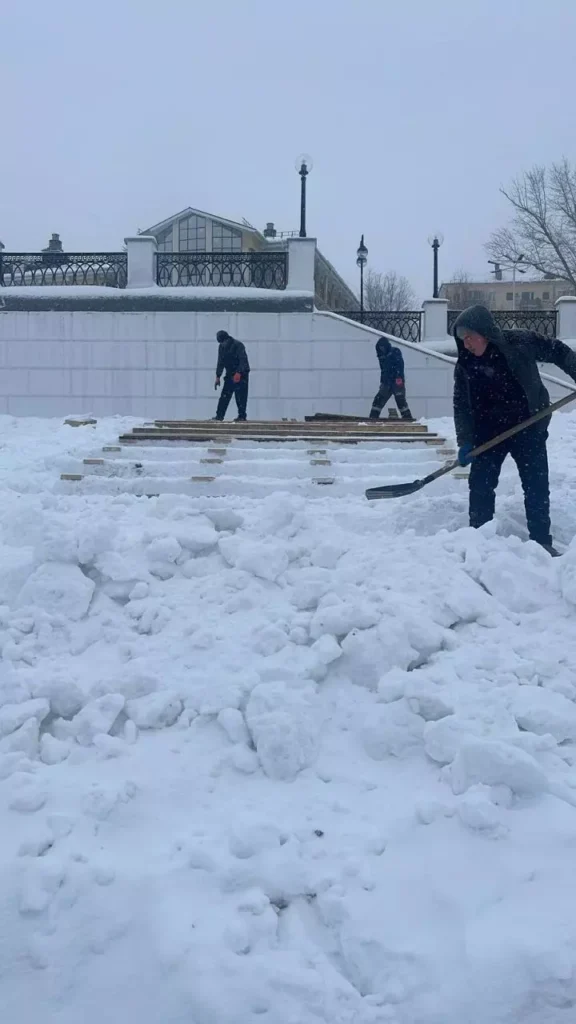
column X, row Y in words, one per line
column 540, row 293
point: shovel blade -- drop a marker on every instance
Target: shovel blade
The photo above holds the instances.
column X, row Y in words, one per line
column 394, row 490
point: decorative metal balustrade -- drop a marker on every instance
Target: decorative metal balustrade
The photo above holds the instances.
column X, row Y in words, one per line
column 222, row 269
column 108, row 269
column 401, row 324
column 544, row 321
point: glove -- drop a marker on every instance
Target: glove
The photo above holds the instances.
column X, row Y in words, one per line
column 464, row 454
column 237, row 378
column 216, row 383
column 399, row 382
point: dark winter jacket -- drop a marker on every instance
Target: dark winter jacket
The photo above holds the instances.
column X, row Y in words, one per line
column 232, row 356
column 503, row 387
column 391, row 362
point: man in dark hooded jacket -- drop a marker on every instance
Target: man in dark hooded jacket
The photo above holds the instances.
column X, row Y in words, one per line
column 496, row 386
column 233, row 359
column 391, row 380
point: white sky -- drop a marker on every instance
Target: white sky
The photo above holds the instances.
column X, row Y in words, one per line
column 117, row 113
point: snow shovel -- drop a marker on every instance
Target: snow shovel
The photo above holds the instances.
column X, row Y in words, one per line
column 401, row 490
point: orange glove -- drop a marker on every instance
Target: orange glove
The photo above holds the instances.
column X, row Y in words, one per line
column 237, row 378
column 399, row 382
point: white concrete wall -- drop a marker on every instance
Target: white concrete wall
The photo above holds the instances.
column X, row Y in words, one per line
column 161, row 364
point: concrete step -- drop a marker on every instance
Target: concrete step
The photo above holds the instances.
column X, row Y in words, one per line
column 279, row 468
column 255, row 450
column 211, row 486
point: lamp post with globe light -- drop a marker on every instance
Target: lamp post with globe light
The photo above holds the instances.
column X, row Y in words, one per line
column 435, row 241
column 361, row 260
column 303, row 165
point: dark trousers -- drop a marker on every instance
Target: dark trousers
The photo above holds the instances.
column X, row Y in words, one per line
column 240, row 392
column 528, row 449
column 384, row 395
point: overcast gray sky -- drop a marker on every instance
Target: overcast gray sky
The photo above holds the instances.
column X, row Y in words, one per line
column 117, row 113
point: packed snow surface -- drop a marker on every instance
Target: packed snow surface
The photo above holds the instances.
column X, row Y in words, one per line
column 283, row 760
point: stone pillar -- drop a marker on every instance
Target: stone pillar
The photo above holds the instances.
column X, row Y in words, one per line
column 141, row 261
column 566, row 324
column 301, row 258
column 435, row 320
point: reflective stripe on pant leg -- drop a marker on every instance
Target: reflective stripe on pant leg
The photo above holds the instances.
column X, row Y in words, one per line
column 384, row 394
column 400, row 397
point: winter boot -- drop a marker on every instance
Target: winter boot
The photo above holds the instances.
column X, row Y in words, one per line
column 551, row 550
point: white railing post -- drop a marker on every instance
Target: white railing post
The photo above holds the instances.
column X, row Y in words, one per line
column 301, row 259
column 566, row 323
column 141, row 250
column 434, row 320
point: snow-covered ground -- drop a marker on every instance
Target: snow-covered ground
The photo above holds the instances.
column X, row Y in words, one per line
column 285, row 760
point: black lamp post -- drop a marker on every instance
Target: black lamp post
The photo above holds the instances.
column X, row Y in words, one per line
column 303, row 166
column 361, row 260
column 435, row 241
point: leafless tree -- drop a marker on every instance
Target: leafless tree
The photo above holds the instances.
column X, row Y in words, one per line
column 388, row 291
column 543, row 227
column 460, row 293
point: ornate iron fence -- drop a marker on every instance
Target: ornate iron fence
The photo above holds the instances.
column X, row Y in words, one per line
column 405, row 325
column 544, row 321
column 222, row 269
column 51, row 268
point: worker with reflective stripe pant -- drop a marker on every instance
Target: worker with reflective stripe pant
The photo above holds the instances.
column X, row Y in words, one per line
column 392, row 381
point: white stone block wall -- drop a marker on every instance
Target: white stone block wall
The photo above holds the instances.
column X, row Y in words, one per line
column 162, row 364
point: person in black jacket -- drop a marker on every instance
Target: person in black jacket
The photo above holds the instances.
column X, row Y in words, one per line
column 391, row 380
column 233, row 359
column 496, row 386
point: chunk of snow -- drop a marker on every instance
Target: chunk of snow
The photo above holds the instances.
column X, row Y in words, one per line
column 327, row 649
column 542, row 711
column 284, row 727
column 97, row 717
column 155, row 711
column 53, row 751
column 58, row 588
column 232, row 721
column 12, row 716
column 258, row 558
column 444, row 737
column 495, row 763
column 65, row 697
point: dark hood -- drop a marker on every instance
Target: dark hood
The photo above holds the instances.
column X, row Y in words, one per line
column 479, row 319
column 223, row 336
column 383, row 347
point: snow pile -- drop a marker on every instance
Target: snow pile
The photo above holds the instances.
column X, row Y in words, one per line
column 282, row 760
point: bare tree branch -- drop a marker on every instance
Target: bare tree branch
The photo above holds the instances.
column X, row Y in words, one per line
column 543, row 226
column 388, row 291
column 460, row 294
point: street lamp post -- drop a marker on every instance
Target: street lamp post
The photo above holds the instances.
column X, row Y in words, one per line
column 435, row 241
column 361, row 260
column 303, row 166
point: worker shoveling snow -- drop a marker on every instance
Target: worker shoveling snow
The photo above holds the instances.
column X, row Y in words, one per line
column 283, row 760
